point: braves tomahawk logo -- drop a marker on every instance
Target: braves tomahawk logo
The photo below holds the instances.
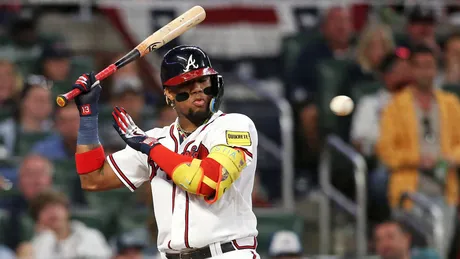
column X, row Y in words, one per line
column 190, row 63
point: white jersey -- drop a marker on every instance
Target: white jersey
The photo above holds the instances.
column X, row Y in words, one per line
column 186, row 220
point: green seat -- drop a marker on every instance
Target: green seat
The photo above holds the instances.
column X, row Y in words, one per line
column 291, row 47
column 80, row 65
column 331, row 79
column 27, row 227
column 100, row 219
column 268, row 224
column 453, row 88
column 65, row 177
column 26, row 141
column 4, row 219
column 366, row 88
column 130, row 219
column 113, row 200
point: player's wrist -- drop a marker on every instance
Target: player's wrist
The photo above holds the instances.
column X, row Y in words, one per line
column 88, row 132
column 148, row 144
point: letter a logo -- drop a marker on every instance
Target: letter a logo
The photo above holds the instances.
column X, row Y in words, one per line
column 190, row 63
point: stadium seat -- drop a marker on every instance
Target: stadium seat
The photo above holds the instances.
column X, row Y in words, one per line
column 112, row 200
column 26, row 141
column 129, row 219
column 269, row 223
column 65, row 178
column 291, row 47
column 331, row 78
column 365, row 88
column 263, row 112
column 101, row 219
column 27, row 227
column 4, row 218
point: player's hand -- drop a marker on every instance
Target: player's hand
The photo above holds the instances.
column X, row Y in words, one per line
column 87, row 102
column 131, row 133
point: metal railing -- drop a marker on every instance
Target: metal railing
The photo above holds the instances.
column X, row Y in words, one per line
column 358, row 209
column 437, row 223
column 286, row 123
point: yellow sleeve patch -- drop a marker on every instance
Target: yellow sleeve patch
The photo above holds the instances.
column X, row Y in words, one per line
column 238, row 138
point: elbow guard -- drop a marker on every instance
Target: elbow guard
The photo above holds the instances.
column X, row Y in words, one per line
column 189, row 176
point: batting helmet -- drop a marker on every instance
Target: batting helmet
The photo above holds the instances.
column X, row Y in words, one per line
column 185, row 63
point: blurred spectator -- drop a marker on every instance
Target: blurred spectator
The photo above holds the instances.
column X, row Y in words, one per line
column 451, row 58
column 130, row 246
column 420, row 29
column 24, row 46
column 336, row 30
column 35, row 176
column 419, row 140
column 54, row 62
column 127, row 92
column 285, row 245
column 419, row 131
column 333, row 44
column 395, row 71
column 57, row 237
column 6, row 253
column 61, row 145
column 166, row 116
column 8, row 82
column 392, row 241
column 33, row 114
column 374, row 43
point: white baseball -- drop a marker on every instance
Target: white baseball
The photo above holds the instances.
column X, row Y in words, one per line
column 342, row 105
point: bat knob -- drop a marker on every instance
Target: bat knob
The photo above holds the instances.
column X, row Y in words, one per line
column 61, row 101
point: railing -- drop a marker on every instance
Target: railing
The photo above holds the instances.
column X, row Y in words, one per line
column 437, row 215
column 358, row 209
column 286, row 123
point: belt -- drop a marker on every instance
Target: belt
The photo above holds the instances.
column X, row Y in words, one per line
column 201, row 253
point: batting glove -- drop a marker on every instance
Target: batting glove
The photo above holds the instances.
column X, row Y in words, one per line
column 87, row 102
column 131, row 133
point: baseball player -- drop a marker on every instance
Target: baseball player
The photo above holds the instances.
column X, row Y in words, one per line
column 201, row 168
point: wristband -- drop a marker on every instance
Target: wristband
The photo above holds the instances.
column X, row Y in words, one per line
column 90, row 161
column 88, row 132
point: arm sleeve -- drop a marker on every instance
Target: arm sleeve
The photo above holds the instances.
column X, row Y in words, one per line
column 130, row 166
column 237, row 131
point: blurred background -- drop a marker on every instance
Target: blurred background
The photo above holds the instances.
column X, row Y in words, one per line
column 381, row 181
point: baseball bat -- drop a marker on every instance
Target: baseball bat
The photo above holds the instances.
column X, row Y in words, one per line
column 170, row 31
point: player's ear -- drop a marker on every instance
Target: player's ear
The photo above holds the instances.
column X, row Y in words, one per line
column 169, row 97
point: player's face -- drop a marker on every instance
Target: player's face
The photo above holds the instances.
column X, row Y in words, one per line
column 192, row 98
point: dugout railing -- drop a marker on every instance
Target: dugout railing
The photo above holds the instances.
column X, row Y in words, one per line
column 331, row 194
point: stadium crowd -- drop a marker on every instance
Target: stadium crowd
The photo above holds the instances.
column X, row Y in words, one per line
column 405, row 124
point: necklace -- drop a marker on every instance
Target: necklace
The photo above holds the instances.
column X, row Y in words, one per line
column 183, row 133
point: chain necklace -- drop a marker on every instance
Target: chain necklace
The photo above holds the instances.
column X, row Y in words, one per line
column 183, row 134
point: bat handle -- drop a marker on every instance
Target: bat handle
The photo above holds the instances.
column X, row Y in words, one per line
column 63, row 99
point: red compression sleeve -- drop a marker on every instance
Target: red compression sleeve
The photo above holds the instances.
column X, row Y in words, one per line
column 167, row 160
column 90, row 161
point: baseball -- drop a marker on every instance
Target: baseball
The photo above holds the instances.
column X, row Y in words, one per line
column 342, row 105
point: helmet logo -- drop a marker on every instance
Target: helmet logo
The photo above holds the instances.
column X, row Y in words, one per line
column 190, row 63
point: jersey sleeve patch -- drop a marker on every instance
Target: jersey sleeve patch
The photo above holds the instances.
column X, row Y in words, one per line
column 238, row 138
